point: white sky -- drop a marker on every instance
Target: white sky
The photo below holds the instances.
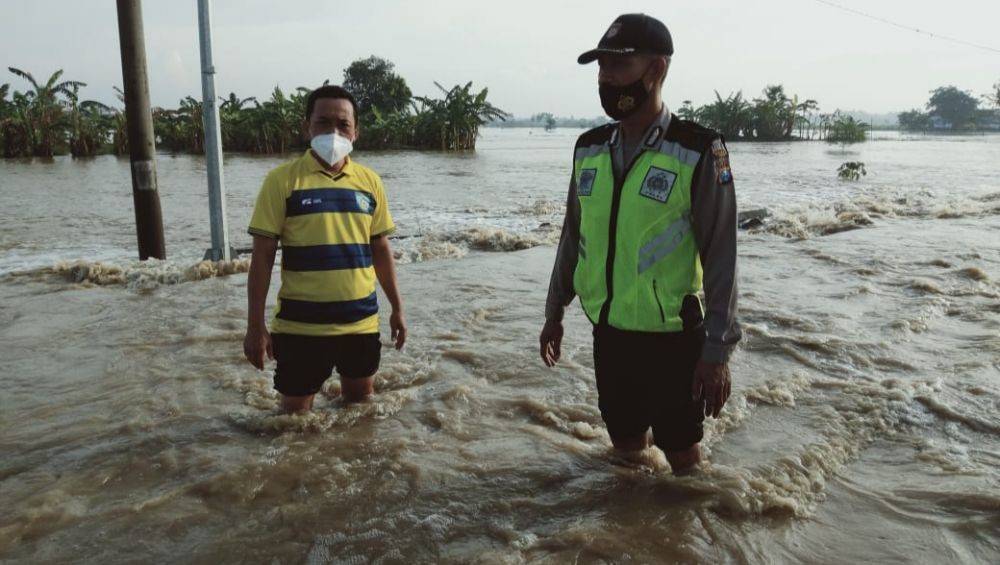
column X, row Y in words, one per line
column 525, row 52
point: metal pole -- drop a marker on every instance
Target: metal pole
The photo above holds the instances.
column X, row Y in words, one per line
column 220, row 249
column 141, row 144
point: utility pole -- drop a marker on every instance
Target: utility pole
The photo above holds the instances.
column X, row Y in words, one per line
column 220, row 249
column 141, row 144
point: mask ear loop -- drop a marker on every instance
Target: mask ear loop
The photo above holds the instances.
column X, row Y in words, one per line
column 649, row 90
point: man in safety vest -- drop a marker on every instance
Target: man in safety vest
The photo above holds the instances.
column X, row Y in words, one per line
column 650, row 222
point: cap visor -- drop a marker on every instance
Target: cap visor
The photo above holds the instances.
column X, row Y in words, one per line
column 593, row 54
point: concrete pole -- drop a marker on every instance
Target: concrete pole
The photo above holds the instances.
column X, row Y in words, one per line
column 141, row 144
column 220, row 249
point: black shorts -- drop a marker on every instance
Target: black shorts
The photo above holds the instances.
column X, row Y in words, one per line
column 644, row 380
column 305, row 362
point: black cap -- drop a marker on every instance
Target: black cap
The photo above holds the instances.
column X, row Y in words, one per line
column 632, row 34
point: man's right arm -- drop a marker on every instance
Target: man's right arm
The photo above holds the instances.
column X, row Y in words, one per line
column 257, row 343
column 266, row 225
column 561, row 291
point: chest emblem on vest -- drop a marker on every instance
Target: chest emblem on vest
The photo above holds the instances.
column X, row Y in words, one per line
column 586, row 185
column 658, row 184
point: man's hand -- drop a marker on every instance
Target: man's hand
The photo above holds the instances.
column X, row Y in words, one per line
column 397, row 325
column 550, row 342
column 256, row 345
column 711, row 384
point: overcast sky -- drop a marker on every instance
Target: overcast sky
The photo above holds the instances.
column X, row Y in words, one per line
column 524, row 51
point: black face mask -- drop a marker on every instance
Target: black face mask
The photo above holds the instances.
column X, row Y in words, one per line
column 620, row 102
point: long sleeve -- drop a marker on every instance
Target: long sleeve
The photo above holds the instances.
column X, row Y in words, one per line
column 561, row 292
column 713, row 206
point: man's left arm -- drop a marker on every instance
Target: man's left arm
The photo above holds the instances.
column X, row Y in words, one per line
column 385, row 263
column 713, row 211
column 385, row 270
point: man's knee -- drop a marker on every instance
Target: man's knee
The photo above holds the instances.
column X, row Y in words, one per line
column 357, row 390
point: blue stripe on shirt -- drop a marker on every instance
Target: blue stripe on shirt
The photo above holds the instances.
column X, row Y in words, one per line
column 320, row 200
column 326, row 257
column 344, row 312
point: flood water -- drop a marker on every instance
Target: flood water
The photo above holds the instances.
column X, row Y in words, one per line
column 864, row 423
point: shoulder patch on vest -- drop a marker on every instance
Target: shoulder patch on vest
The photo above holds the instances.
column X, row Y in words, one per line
column 586, row 184
column 658, row 184
column 720, row 156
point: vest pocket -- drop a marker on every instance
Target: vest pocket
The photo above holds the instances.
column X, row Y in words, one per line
column 692, row 316
column 659, row 304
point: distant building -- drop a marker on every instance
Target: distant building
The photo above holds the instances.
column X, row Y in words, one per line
column 988, row 121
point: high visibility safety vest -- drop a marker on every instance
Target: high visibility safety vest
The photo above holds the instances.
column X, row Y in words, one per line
column 638, row 259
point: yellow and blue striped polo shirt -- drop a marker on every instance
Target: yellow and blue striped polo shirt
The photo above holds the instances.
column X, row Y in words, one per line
column 325, row 223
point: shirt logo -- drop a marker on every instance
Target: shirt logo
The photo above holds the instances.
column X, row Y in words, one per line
column 586, row 185
column 658, row 184
column 364, row 202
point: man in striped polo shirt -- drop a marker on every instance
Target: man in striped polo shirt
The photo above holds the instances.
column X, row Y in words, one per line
column 332, row 218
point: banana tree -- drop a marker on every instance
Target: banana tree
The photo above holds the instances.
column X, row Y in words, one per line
column 44, row 122
column 90, row 125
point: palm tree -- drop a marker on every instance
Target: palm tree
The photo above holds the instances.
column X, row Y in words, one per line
column 90, row 125
column 229, row 117
column 729, row 116
column 845, row 130
column 8, row 130
column 119, row 135
column 455, row 120
column 44, row 122
column 687, row 111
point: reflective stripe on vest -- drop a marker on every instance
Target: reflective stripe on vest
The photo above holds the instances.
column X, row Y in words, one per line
column 654, row 263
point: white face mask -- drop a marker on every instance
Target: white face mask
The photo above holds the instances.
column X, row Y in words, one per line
column 331, row 147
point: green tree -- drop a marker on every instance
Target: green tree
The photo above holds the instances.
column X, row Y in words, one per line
column 452, row 123
column 845, row 130
column 730, row 116
column 374, row 84
column 993, row 97
column 775, row 116
column 687, row 111
column 231, row 110
column 953, row 105
column 119, row 127
column 91, row 123
column 40, row 111
column 9, row 132
column 914, row 120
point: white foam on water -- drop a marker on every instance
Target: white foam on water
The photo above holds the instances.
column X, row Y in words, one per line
column 855, row 414
column 137, row 275
column 827, row 218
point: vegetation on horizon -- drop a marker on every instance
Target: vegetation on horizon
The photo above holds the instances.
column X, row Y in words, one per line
column 952, row 109
column 845, row 130
column 51, row 119
column 772, row 117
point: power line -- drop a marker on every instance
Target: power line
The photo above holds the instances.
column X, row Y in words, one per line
column 908, row 28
